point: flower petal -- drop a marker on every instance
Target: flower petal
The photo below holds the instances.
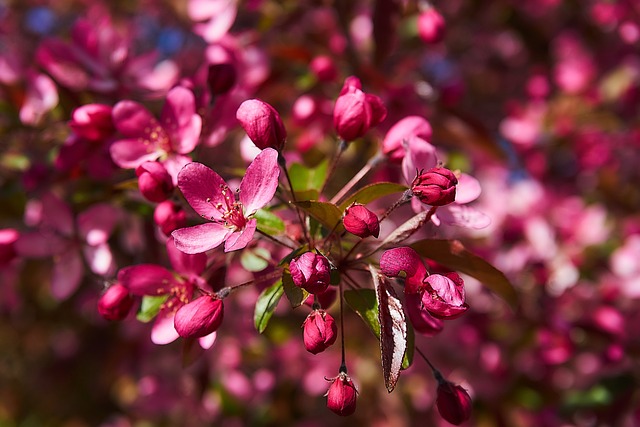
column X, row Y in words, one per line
column 420, row 155
column 180, row 120
column 202, row 188
column 100, row 259
column 260, row 182
column 133, row 120
column 463, row 216
column 67, row 274
column 146, row 279
column 207, row 341
column 131, row 153
column 184, row 263
column 468, row 189
column 241, row 239
column 163, row 331
column 200, row 238
column 404, row 259
column 96, row 223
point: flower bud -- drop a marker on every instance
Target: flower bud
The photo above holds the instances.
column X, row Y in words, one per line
column 453, row 402
column 199, row 318
column 342, row 394
column 169, row 217
column 431, row 26
column 444, row 297
column 320, row 331
column 8, row 238
column 92, row 122
column 154, row 181
column 324, row 68
column 115, row 303
column 435, row 187
column 356, row 112
column 311, row 272
column 361, row 221
column 262, row 123
column 221, row 78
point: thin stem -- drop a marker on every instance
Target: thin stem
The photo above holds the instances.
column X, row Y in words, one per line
column 273, row 239
column 372, row 163
column 273, row 275
column 301, row 218
column 426, row 359
column 406, row 196
column 343, row 365
column 341, row 148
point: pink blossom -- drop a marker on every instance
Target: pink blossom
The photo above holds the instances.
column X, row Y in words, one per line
column 393, row 145
column 148, row 139
column 41, row 97
column 210, row 196
column 435, row 187
column 431, row 26
column 320, row 331
column 169, row 216
column 213, row 18
column 262, row 123
column 92, row 122
column 200, row 317
column 342, row 395
column 360, row 221
column 154, row 181
column 311, row 272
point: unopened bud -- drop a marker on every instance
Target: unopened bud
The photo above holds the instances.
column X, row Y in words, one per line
column 420, row 319
column 169, row 217
column 154, row 181
column 115, row 303
column 262, row 123
column 199, row 318
column 324, row 68
column 320, row 331
column 221, row 78
column 92, row 122
column 355, row 112
column 342, row 394
column 311, row 272
column 361, row 221
column 435, row 187
column 453, row 402
column 431, row 26
column 8, row 238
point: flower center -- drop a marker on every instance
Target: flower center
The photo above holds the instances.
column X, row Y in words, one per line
column 232, row 213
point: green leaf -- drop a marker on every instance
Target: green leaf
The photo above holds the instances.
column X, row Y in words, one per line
column 411, row 346
column 304, row 178
column 452, row 254
column 266, row 305
column 365, row 303
column 373, row 192
column 150, row 307
column 326, row 213
column 256, row 259
column 269, row 222
column 297, row 296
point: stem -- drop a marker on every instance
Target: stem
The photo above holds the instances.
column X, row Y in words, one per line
column 273, row 275
column 372, row 163
column 270, row 237
column 343, row 365
column 406, row 196
column 301, row 218
column 436, row 373
column 341, row 148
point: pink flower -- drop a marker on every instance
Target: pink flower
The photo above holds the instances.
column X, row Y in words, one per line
column 355, row 112
column 8, row 239
column 320, row 331
column 342, row 394
column 360, row 221
column 147, row 139
column 218, row 14
column 200, row 317
column 154, row 181
column 169, row 216
column 210, row 196
column 115, row 303
column 431, row 26
column 311, row 272
column 92, row 122
column 453, row 402
column 393, row 145
column 262, row 123
column 40, row 98
column 324, row 68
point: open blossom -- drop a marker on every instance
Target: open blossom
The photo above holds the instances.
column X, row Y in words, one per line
column 147, row 139
column 356, row 112
column 231, row 220
column 443, row 296
column 342, row 395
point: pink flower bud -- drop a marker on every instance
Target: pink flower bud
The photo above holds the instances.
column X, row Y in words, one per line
column 431, row 26
column 154, row 181
column 324, row 68
column 115, row 303
column 221, row 78
column 262, row 123
column 453, row 402
column 320, row 331
column 8, row 238
column 342, row 394
column 435, row 187
column 311, row 272
column 444, row 297
column 355, row 112
column 92, row 121
column 169, row 216
column 361, row 221
column 199, row 318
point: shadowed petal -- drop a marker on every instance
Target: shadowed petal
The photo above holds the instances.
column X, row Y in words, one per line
column 180, row 120
column 146, row 279
column 133, row 120
column 419, row 155
column 404, row 259
column 40, row 244
column 184, row 263
column 463, row 216
column 96, row 223
column 202, row 188
column 200, row 238
column 67, row 274
column 260, row 182
column 131, row 153
column 241, row 239
column 56, row 214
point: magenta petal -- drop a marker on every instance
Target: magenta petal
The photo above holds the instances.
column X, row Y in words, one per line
column 174, row 163
column 180, row 120
column 146, row 279
column 163, row 331
column 38, row 244
column 184, row 263
column 207, row 341
column 96, row 223
column 131, row 153
column 241, row 239
column 468, row 189
column 133, row 120
column 422, row 321
column 202, row 188
column 463, row 216
column 260, row 182
column 67, row 274
column 420, row 155
column 200, row 238
column 56, row 214
column 404, row 259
